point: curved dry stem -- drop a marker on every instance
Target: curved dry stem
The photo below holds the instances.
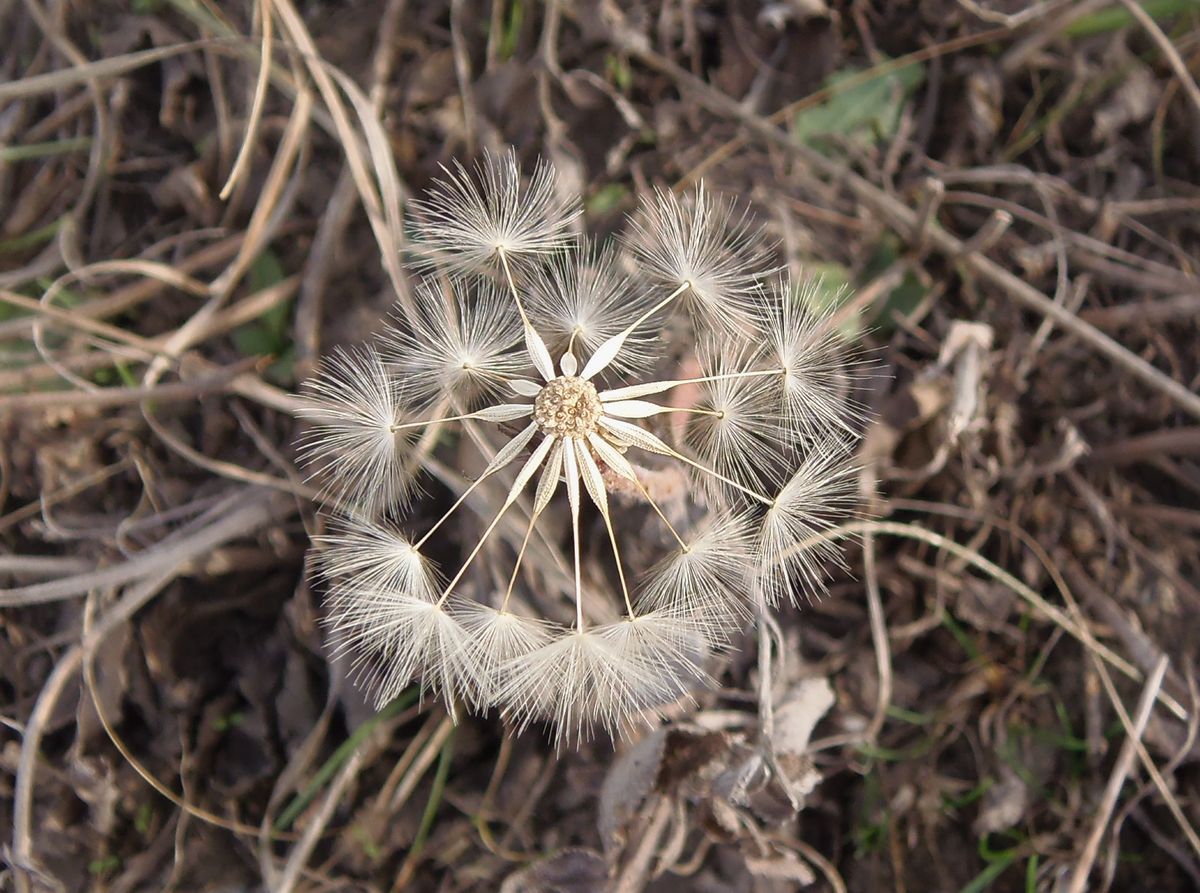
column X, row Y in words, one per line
column 1057, row 615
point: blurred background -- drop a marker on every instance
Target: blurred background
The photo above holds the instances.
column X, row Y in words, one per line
column 198, row 200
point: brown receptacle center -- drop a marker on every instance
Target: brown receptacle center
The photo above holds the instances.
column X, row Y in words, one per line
column 567, row 407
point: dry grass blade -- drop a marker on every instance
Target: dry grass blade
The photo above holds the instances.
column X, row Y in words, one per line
column 1057, row 615
column 316, row 826
column 905, row 221
column 242, row 161
column 1181, row 818
column 236, row 516
column 879, row 636
column 380, row 212
column 1116, row 780
column 230, row 518
column 116, row 66
column 1168, row 50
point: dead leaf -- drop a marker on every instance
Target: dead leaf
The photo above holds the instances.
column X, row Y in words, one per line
column 799, row 712
column 1132, row 102
column 663, row 762
column 569, row 871
column 1003, row 804
column 784, row 866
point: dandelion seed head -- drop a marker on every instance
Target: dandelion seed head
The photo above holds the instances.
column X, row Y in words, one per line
column 534, row 348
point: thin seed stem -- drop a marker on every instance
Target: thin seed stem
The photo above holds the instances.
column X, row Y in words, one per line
column 573, row 498
column 695, row 410
column 425, row 423
column 578, row 579
column 514, row 494
column 660, row 386
column 474, row 552
column 512, row 286
column 752, row 493
column 658, row 511
column 496, row 464
column 726, row 376
column 657, row 307
column 612, row 538
column 538, row 355
column 457, row 503
column 512, row 581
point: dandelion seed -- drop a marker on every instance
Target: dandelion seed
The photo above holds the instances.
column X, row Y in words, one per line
column 792, row 550
column 545, row 361
column 413, row 638
column 737, row 428
column 466, row 223
column 583, row 299
column 709, row 576
column 367, row 556
column 354, row 445
column 584, row 680
column 664, row 650
column 708, row 250
column 815, row 379
column 462, row 345
column 500, row 639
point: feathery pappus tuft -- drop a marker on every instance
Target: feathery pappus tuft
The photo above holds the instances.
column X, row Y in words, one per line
column 467, row 222
column 793, row 551
column 704, row 247
column 709, row 576
column 583, row 299
column 461, row 347
column 362, row 555
column 736, row 427
column 815, row 372
column 546, row 354
column 500, row 639
column 355, row 446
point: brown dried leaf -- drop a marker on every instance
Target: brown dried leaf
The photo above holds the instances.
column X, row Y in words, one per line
column 784, row 866
column 569, row 871
column 663, row 762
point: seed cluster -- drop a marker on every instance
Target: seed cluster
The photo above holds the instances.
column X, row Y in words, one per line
column 516, row 319
column 567, row 407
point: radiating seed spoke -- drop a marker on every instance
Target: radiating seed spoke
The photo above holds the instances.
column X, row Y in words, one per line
column 505, row 456
column 527, row 471
column 504, row 412
column 538, row 353
column 643, row 409
column 657, row 387
column 571, row 466
column 594, row 481
column 607, row 352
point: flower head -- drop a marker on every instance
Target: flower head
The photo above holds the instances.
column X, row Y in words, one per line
column 536, row 349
